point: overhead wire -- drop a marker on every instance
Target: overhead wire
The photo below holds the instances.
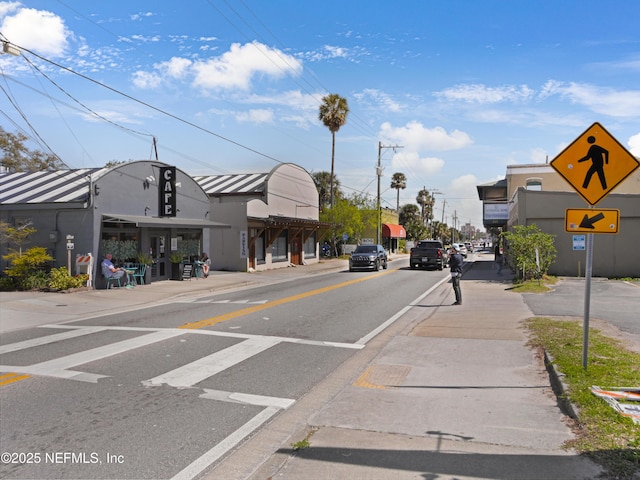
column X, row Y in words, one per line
column 148, row 105
column 26, row 120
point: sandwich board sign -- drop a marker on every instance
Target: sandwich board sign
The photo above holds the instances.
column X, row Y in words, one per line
column 594, row 164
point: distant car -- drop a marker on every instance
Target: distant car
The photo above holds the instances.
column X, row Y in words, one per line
column 469, row 246
column 463, row 249
column 368, row 257
column 428, row 253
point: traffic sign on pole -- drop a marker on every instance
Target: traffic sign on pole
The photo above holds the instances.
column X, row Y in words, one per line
column 594, row 164
column 591, row 220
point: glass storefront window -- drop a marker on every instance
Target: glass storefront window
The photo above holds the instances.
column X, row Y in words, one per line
column 279, row 248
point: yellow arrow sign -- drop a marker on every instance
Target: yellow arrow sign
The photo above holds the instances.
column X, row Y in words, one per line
column 591, row 220
column 594, row 164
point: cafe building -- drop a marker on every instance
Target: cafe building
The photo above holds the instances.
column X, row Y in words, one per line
column 141, row 212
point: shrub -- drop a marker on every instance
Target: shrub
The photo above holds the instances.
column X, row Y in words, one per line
column 28, row 268
column 59, row 279
column 38, row 280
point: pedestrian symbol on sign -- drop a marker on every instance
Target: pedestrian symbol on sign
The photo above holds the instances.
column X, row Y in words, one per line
column 595, row 152
column 599, row 158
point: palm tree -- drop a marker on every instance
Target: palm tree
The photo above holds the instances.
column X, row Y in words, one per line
column 426, row 200
column 323, row 182
column 333, row 113
column 398, row 181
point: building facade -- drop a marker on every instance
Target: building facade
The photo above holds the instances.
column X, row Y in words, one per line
column 273, row 217
column 537, row 194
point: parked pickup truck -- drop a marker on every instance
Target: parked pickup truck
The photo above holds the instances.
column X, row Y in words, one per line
column 428, row 253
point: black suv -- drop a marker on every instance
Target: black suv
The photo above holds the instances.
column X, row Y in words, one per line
column 368, row 256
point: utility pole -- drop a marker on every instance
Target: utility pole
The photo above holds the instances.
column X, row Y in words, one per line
column 455, row 220
column 379, row 174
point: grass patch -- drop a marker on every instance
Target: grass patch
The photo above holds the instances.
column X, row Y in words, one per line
column 607, row 437
column 542, row 285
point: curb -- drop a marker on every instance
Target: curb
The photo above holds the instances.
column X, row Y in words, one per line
column 560, row 389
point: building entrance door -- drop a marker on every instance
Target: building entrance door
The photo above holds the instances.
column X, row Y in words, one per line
column 296, row 250
column 160, row 268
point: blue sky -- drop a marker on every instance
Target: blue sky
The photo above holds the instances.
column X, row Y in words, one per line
column 464, row 87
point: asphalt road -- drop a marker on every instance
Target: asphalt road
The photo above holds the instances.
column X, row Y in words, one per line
column 138, row 395
column 613, row 301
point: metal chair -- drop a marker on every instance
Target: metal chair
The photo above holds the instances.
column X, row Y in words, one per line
column 110, row 280
column 138, row 277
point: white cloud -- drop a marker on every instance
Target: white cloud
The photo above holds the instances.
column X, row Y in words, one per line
column 146, row 80
column 237, row 67
column 463, row 201
column 176, row 67
column 414, row 136
column 634, row 144
column 420, row 167
column 7, row 7
column 255, row 116
column 539, row 155
column 37, row 30
column 478, row 93
column 234, row 69
column 141, row 15
column 379, row 99
column 607, row 101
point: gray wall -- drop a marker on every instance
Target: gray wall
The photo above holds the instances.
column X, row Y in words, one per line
column 614, row 255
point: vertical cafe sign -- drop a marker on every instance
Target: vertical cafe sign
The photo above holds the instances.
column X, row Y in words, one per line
column 167, row 191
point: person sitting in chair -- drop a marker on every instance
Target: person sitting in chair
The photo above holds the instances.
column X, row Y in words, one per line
column 206, row 264
column 110, row 271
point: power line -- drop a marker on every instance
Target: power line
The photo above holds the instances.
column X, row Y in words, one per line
column 159, row 110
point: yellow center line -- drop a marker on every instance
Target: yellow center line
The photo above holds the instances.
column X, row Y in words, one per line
column 245, row 311
column 8, row 378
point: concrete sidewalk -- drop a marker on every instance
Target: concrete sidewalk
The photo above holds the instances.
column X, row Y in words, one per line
column 447, row 392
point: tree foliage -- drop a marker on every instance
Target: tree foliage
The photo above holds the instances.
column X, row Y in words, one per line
column 531, row 250
column 31, row 261
column 323, row 185
column 409, row 217
column 352, row 215
column 398, row 181
column 16, row 157
column 333, row 113
column 18, row 236
column 426, row 200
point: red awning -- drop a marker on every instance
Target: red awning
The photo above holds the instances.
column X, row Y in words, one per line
column 391, row 230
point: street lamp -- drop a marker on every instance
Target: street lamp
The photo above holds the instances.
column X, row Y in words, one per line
column 10, row 49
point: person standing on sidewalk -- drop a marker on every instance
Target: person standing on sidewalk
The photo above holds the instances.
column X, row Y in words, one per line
column 498, row 258
column 455, row 266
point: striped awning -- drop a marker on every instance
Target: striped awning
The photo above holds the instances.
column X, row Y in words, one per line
column 247, row 183
column 60, row 186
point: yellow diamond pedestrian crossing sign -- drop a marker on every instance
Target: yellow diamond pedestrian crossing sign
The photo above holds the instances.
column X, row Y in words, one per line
column 594, row 164
column 591, row 220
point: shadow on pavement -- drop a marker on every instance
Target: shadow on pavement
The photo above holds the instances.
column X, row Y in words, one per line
column 433, row 465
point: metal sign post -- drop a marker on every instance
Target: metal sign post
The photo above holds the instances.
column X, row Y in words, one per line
column 593, row 164
column 587, row 302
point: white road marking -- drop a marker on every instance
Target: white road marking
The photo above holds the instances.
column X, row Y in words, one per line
column 56, row 337
column 196, row 467
column 363, row 341
column 59, row 367
column 192, row 373
column 247, row 398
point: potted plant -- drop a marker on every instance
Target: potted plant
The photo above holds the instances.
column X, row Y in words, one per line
column 176, row 265
column 146, row 259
